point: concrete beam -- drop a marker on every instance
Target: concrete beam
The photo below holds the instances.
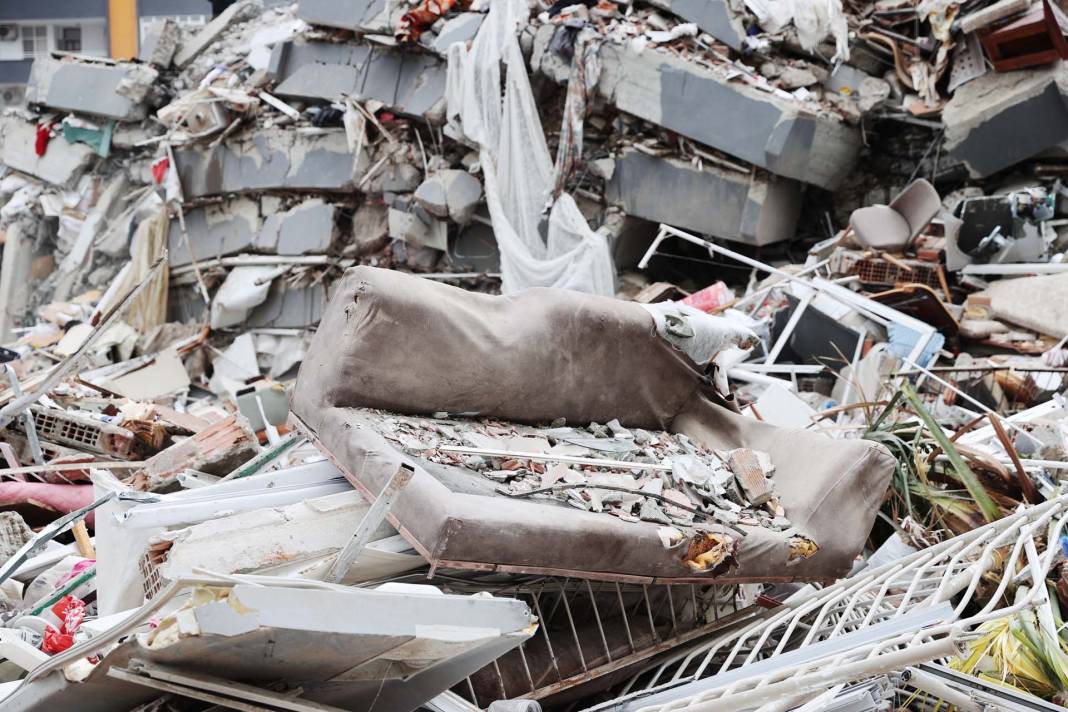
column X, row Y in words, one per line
column 779, row 135
column 726, row 204
column 998, row 120
column 271, row 159
column 411, row 83
column 113, row 91
column 62, row 164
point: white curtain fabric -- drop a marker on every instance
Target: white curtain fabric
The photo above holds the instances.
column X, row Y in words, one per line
column 517, row 166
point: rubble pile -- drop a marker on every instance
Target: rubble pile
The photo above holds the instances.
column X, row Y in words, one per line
column 641, row 476
column 590, row 355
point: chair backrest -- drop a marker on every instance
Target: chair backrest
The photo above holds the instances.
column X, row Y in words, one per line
column 918, row 203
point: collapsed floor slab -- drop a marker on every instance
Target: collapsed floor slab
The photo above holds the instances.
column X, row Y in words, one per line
column 757, row 210
column 113, row 91
column 227, row 228
column 243, row 224
column 776, row 134
column 271, row 159
column 411, row 82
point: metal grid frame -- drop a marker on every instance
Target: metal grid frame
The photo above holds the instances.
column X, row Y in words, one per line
column 589, row 629
column 901, row 614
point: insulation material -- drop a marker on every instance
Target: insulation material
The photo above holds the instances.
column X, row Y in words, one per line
column 244, row 289
column 561, row 251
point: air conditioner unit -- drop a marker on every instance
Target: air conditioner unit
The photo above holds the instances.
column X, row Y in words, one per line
column 12, row 94
column 9, row 33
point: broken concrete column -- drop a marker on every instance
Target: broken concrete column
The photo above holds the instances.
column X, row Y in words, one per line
column 999, row 119
column 193, row 46
column 271, row 159
column 62, row 164
column 16, row 263
column 410, row 83
column 770, row 132
column 756, row 210
column 115, row 91
column 450, row 194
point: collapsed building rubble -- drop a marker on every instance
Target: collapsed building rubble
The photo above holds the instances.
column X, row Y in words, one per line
column 509, row 355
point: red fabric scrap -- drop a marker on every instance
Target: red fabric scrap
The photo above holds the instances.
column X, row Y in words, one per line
column 160, row 168
column 44, row 135
column 71, row 612
column 413, row 24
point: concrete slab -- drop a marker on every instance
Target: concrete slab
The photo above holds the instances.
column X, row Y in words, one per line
column 228, row 228
column 776, row 134
column 16, row 284
column 1000, row 119
column 306, row 229
column 711, row 200
column 355, row 15
column 289, row 307
column 62, row 164
column 271, row 159
column 411, row 83
column 114, row 91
